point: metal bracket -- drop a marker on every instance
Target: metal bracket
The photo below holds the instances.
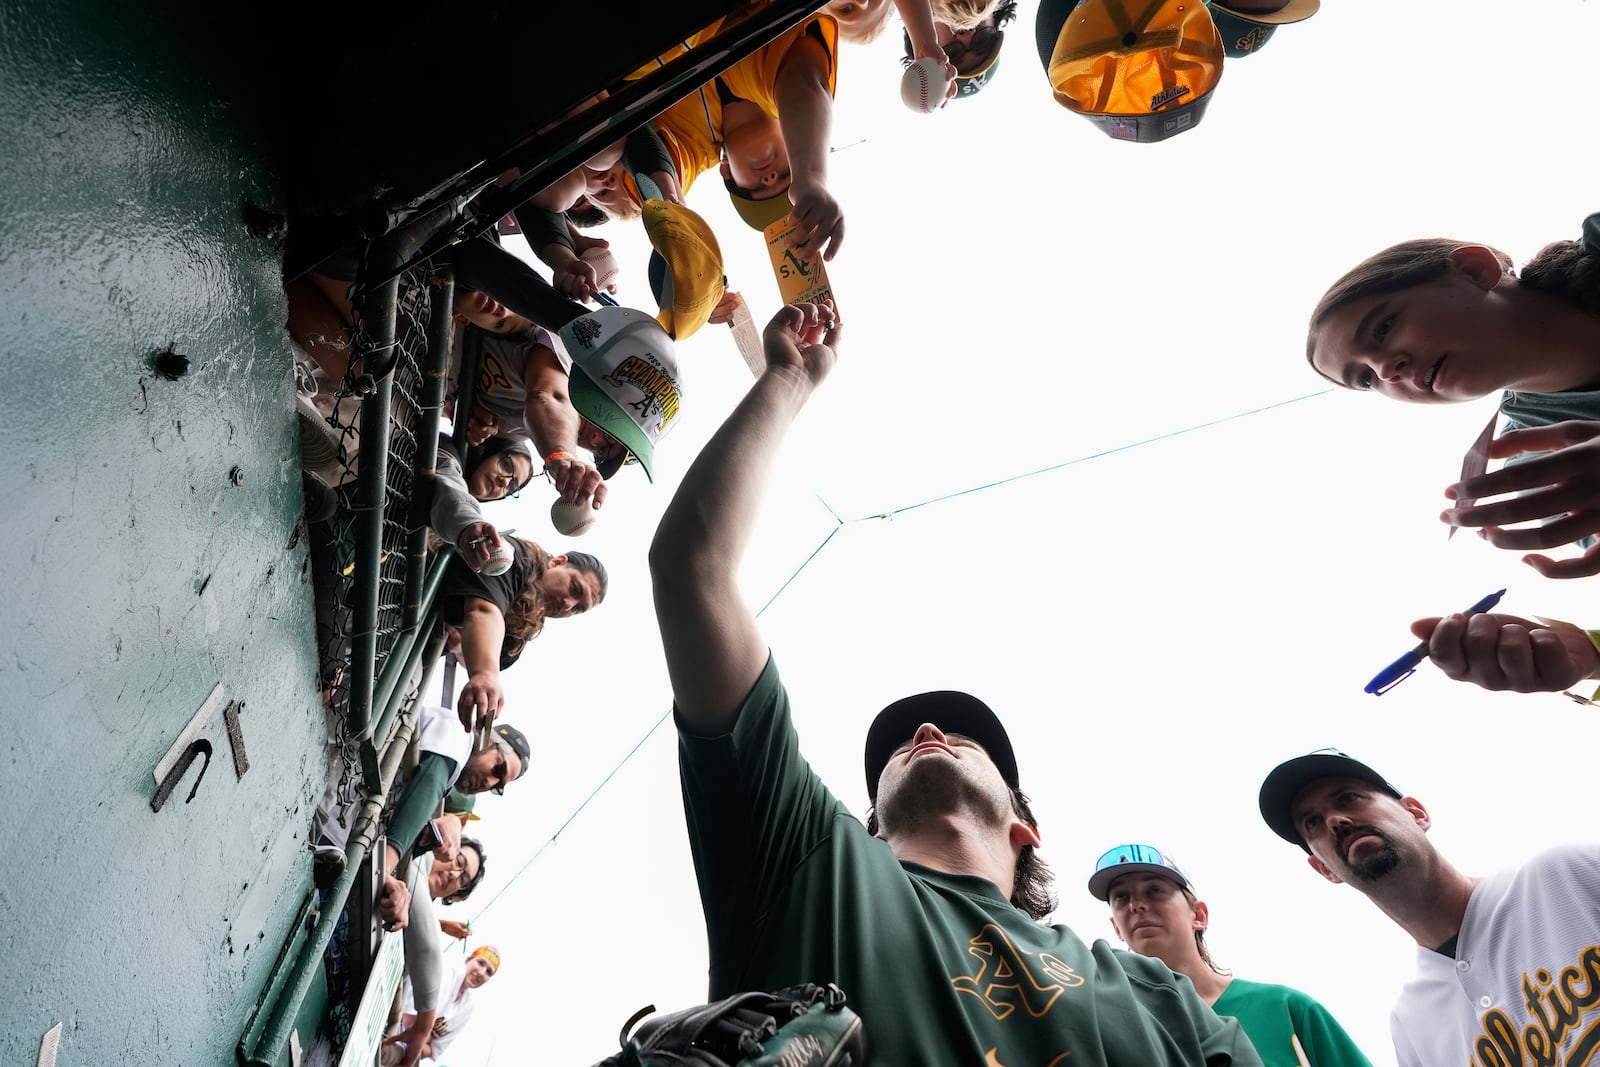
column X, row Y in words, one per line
column 201, row 747
column 230, row 719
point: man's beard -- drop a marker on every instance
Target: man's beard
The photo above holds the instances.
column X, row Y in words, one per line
column 1376, row 865
column 932, row 788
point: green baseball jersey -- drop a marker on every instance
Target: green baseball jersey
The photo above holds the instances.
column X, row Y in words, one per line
column 1288, row 1028
column 941, row 967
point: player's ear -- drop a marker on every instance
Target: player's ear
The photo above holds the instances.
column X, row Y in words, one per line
column 1023, row 834
column 1202, row 915
column 1418, row 813
column 1324, row 870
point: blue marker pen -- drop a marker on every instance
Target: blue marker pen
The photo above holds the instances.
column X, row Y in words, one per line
column 1406, row 665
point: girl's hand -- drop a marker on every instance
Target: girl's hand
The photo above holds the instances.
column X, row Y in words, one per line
column 1561, row 489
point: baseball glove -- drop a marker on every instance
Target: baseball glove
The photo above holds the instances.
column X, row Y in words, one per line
column 802, row 1026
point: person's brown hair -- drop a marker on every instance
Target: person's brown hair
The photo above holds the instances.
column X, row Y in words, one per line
column 1200, row 935
column 526, row 618
column 1565, row 269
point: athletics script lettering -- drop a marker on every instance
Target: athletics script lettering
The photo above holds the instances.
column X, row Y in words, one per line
column 1558, row 1006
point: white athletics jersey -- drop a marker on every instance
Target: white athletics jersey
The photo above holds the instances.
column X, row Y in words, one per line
column 1524, row 987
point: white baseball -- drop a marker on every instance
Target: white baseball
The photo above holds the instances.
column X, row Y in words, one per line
column 924, row 85
column 605, row 265
column 499, row 561
column 572, row 519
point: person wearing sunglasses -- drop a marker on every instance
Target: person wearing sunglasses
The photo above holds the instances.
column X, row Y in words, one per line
column 1155, row 911
column 930, row 917
column 447, row 758
column 974, row 53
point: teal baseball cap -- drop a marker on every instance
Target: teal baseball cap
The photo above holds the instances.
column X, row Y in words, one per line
column 1132, row 859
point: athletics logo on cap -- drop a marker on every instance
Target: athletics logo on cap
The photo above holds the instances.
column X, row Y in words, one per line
column 624, row 379
column 1141, row 70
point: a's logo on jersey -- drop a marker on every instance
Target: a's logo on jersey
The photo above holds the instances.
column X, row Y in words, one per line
column 1007, row 978
column 1557, row 1006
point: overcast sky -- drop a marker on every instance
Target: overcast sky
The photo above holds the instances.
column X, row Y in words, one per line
column 1157, row 626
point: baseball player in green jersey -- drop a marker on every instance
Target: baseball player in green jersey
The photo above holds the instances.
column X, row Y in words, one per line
column 1508, row 966
column 1155, row 911
column 929, row 916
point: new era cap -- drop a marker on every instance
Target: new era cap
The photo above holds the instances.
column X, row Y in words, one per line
column 953, row 713
column 685, row 268
column 1291, row 776
column 972, row 84
column 1132, row 859
column 758, row 214
column 1141, row 70
column 510, row 737
column 1240, row 36
column 1291, row 11
column 624, row 379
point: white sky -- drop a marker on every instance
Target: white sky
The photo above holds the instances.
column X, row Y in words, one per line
column 1158, row 627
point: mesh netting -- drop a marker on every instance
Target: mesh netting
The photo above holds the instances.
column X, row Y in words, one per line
column 336, row 575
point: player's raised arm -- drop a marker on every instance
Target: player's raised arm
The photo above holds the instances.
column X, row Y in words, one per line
column 714, row 648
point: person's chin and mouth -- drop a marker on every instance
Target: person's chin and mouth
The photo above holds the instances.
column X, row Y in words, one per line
column 930, row 746
column 1349, row 843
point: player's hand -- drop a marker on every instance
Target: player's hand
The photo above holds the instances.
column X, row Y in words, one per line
column 725, row 308
column 477, row 542
column 1561, row 489
column 818, row 221
column 804, row 338
column 931, row 50
column 1501, row 652
column 482, row 424
column 575, row 480
column 394, row 903
column 454, row 928
column 481, row 699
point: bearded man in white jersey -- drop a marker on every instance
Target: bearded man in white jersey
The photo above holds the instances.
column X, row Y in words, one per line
column 1508, row 966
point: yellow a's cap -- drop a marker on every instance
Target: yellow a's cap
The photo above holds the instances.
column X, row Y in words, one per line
column 1141, row 70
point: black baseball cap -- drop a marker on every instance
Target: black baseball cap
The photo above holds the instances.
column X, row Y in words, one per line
column 511, row 738
column 1291, row 776
column 953, row 713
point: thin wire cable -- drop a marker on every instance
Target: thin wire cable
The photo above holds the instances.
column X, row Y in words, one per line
column 1093, row 455
column 648, row 734
column 841, row 523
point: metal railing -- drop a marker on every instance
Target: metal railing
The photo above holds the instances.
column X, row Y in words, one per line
column 375, row 578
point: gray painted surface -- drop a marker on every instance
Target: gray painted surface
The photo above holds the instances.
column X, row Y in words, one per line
column 138, row 574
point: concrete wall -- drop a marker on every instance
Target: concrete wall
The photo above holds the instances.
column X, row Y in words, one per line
column 151, row 549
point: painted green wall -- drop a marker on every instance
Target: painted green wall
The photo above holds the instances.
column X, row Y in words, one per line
column 136, row 573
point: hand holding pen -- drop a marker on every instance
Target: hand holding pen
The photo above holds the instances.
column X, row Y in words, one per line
column 1498, row 652
column 1406, row 665
column 1505, row 652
